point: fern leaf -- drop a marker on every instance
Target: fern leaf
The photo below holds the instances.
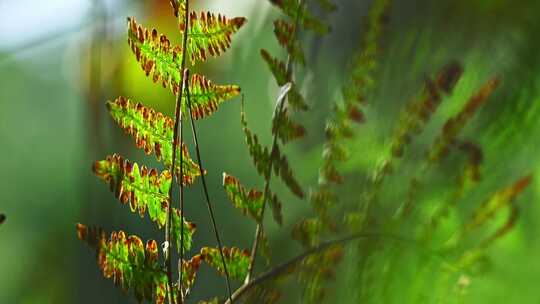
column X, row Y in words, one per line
column 457, row 123
column 179, row 8
column 286, row 129
column 278, row 68
column 211, row 34
column 295, row 100
column 237, row 261
column 285, row 35
column 259, row 154
column 418, row 113
column 284, row 171
column 249, row 202
column 496, row 202
column 276, row 204
column 189, row 272
column 152, row 132
column 128, row 262
column 305, row 18
column 206, row 96
column 144, row 190
column 156, row 55
column 307, row 232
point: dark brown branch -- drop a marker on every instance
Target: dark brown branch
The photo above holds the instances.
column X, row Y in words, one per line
column 283, row 267
column 177, row 119
column 268, row 176
column 205, row 188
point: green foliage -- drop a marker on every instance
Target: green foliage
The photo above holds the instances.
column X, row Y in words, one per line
column 125, row 259
column 144, row 190
column 249, row 202
column 237, row 261
column 305, row 18
column 209, row 34
column 129, row 263
column 2, row 218
column 152, row 132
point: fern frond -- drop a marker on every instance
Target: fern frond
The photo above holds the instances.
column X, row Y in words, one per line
column 211, row 34
column 457, row 123
column 189, row 272
column 307, row 232
column 179, row 9
column 295, row 100
column 206, row 96
column 284, row 171
column 277, row 67
column 237, row 261
column 305, row 18
column 496, row 202
column 156, row 55
column 259, row 154
column 152, row 132
column 144, row 190
column 286, row 129
column 249, row 202
column 128, row 263
column 285, row 35
column 418, row 113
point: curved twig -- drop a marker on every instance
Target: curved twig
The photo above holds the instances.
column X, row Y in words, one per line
column 205, row 188
column 283, row 267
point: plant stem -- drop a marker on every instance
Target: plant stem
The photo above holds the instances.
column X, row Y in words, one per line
column 205, row 188
column 283, row 267
column 268, row 176
column 177, row 119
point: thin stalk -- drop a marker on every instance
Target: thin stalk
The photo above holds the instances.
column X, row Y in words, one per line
column 268, row 174
column 283, row 267
column 205, row 188
column 180, row 290
column 177, row 119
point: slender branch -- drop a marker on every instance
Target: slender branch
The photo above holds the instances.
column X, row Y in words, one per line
column 177, row 119
column 283, row 267
column 205, row 188
column 268, row 174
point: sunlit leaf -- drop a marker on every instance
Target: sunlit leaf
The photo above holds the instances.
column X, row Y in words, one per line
column 249, row 202
column 237, row 261
column 129, row 263
column 152, row 132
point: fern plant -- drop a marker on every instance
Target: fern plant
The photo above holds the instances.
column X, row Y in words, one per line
column 125, row 259
column 367, row 219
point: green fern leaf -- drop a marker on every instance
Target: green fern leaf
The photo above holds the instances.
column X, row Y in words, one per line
column 156, row 55
column 284, row 171
column 249, row 202
column 286, row 129
column 284, row 32
column 179, row 9
column 496, row 202
column 418, row 113
column 237, row 261
column 278, row 68
column 144, row 190
column 295, row 100
column 305, row 18
column 211, row 35
column 128, row 263
column 206, row 96
column 189, row 272
column 259, row 154
column 457, row 123
column 153, row 132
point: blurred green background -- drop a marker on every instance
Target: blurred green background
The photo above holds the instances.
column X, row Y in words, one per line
column 61, row 60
